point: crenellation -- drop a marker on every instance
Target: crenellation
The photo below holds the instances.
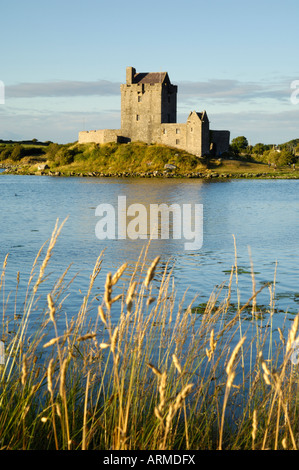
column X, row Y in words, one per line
column 149, row 114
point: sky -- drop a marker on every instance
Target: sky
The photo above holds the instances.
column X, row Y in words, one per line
column 62, row 63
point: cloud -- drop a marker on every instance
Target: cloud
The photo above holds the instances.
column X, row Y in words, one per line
column 260, row 110
column 232, row 91
column 266, row 127
column 63, row 88
column 218, row 90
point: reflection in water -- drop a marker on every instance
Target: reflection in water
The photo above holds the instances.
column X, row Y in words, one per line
column 261, row 214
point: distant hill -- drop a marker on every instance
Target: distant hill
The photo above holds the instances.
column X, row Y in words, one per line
column 25, row 142
column 291, row 143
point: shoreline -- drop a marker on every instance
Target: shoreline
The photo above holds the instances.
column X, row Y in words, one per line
column 209, row 174
column 138, row 160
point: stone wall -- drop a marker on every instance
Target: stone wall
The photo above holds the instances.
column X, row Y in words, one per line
column 100, row 136
column 219, row 142
column 173, row 135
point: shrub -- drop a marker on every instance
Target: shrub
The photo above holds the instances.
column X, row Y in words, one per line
column 6, row 152
column 17, row 153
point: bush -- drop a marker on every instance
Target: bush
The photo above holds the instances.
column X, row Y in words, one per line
column 6, row 152
column 61, row 155
column 52, row 151
column 282, row 158
column 17, row 153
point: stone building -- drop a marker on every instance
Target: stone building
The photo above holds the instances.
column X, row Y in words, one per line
column 149, row 114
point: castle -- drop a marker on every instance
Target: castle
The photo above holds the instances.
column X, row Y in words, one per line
column 149, row 114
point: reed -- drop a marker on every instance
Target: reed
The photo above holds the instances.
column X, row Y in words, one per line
column 145, row 371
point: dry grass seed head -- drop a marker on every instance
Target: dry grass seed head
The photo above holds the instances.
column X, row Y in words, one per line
column 24, row 371
column 51, row 308
column 114, row 339
column 162, row 389
column 213, row 343
column 108, row 290
column 130, row 295
column 118, row 274
column 87, row 336
column 267, row 373
column 176, row 363
column 49, row 376
column 102, row 315
column 155, row 370
column 51, row 342
column 62, row 377
column 151, row 272
column 254, row 425
column 231, row 361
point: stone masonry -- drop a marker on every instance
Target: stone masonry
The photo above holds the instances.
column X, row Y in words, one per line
column 149, row 114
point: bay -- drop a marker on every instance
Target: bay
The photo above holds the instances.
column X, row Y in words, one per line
column 261, row 215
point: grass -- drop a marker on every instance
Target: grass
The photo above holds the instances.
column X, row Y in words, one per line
column 133, row 159
column 136, row 369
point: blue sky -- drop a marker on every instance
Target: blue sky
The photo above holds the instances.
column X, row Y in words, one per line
column 62, row 63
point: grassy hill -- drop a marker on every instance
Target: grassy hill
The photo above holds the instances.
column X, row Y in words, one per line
column 133, row 159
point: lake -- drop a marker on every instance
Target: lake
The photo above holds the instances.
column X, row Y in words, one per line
column 262, row 215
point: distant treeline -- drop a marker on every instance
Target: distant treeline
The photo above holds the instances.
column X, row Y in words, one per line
column 282, row 154
column 16, row 151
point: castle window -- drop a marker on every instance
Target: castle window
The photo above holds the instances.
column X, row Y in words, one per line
column 164, row 131
column 177, row 141
column 139, row 99
column 137, row 117
column 177, row 131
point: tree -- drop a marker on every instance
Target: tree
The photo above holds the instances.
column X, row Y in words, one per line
column 259, row 148
column 281, row 158
column 17, row 153
column 239, row 144
column 286, row 157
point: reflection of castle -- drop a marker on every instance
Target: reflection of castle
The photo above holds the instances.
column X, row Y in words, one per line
column 149, row 113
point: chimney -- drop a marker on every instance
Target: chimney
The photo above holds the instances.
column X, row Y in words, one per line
column 130, row 72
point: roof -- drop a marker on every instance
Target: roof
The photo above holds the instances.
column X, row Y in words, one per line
column 201, row 116
column 151, row 78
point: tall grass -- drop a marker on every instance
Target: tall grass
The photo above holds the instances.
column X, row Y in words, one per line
column 145, row 371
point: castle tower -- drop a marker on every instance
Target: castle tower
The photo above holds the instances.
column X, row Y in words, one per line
column 147, row 101
column 149, row 114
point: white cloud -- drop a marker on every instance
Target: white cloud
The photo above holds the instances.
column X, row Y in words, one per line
column 232, row 91
column 218, row 90
column 63, row 88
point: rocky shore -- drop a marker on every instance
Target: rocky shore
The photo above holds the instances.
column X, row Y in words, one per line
column 167, row 173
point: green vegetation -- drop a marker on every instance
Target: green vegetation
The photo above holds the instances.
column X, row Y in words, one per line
column 281, row 155
column 155, row 375
column 140, row 159
column 113, row 158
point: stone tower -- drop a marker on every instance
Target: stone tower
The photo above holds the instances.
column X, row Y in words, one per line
column 147, row 101
column 149, row 114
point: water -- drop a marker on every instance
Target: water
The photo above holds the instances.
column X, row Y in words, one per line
column 261, row 214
